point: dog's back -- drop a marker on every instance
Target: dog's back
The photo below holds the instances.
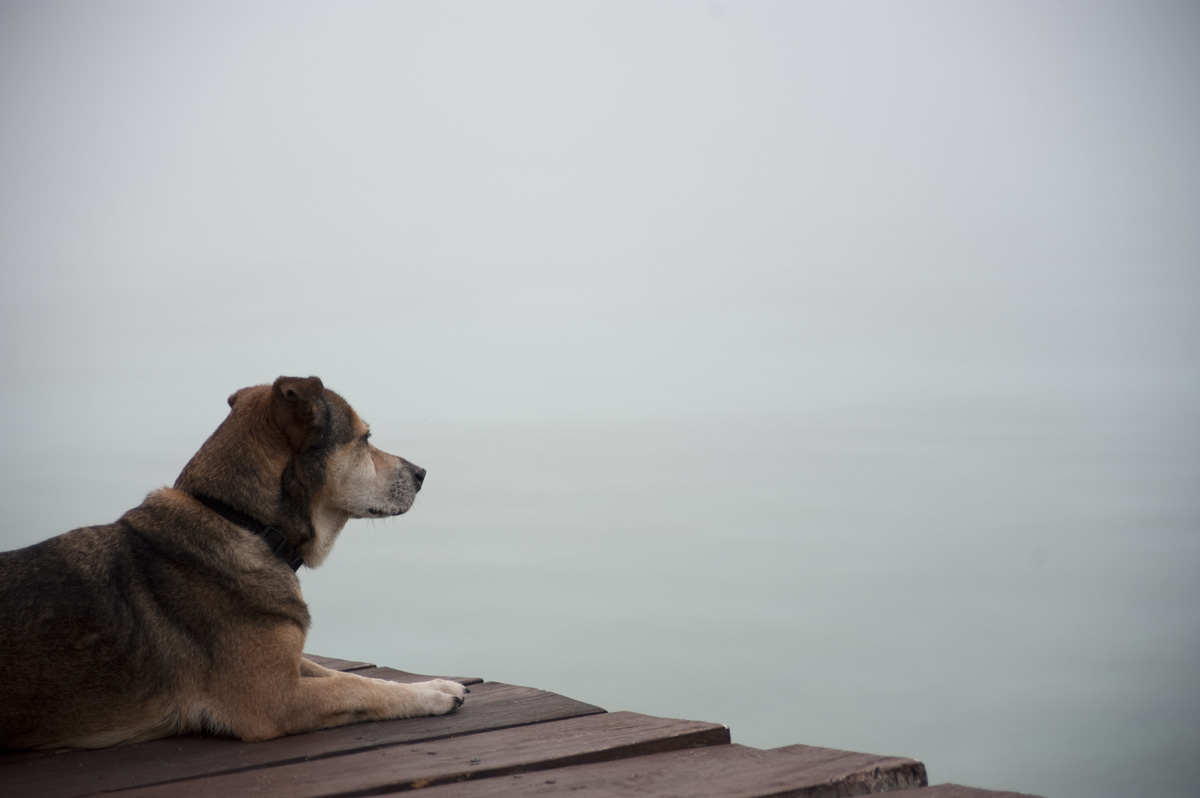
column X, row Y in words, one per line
column 108, row 629
column 57, row 668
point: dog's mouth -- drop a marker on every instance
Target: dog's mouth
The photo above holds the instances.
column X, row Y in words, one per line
column 375, row 512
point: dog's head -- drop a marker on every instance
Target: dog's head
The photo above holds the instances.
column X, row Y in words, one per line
column 294, row 455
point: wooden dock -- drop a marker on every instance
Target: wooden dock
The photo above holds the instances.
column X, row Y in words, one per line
column 505, row 741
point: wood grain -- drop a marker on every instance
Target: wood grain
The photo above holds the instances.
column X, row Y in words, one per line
column 956, row 791
column 490, row 706
column 725, row 771
column 505, row 741
column 594, row 738
column 393, row 675
column 335, row 664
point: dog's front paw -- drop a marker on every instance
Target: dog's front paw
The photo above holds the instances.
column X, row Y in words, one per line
column 442, row 696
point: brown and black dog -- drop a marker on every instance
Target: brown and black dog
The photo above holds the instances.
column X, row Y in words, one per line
column 185, row 616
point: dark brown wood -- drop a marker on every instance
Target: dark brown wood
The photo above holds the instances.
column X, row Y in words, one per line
column 393, row 675
column 956, row 791
column 724, row 771
column 335, row 664
column 490, row 706
column 595, row 738
column 368, row 669
column 506, row 741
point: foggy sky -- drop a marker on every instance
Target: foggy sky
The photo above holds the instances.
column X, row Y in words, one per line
column 554, row 203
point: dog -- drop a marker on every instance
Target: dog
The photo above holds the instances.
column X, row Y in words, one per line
column 185, row 616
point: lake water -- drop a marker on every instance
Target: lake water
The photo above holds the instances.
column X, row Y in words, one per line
column 1005, row 591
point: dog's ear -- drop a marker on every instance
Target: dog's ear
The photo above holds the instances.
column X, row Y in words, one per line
column 233, row 397
column 299, row 404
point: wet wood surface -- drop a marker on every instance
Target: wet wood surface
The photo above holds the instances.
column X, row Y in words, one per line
column 505, row 741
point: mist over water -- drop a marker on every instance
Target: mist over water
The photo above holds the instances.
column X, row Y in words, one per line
column 826, row 371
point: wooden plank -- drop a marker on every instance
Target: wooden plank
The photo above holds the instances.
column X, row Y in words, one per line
column 360, row 668
column 335, row 664
column 595, row 738
column 391, row 674
column 724, row 771
column 956, row 791
column 490, row 706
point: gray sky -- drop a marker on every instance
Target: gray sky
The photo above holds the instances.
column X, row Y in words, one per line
column 613, row 207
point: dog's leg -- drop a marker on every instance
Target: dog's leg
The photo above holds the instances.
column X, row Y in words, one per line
column 303, row 704
column 308, row 668
column 342, row 698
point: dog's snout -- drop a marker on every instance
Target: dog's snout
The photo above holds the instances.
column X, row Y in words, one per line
column 418, row 476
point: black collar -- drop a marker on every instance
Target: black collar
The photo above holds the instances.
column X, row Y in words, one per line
column 279, row 545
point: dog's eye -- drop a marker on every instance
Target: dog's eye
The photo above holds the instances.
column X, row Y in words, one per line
column 366, row 437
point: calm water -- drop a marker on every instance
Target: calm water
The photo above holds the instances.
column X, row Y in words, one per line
column 1005, row 592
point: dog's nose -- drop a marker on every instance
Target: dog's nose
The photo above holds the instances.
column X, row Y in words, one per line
column 418, row 476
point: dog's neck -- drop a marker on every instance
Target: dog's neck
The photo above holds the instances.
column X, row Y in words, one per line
column 327, row 524
column 275, row 540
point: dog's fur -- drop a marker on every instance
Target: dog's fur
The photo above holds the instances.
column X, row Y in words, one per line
column 176, row 620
